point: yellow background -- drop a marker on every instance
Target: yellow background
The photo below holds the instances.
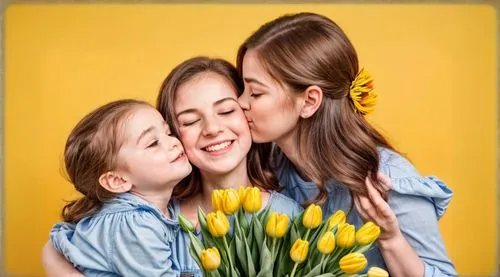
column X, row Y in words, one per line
column 435, row 69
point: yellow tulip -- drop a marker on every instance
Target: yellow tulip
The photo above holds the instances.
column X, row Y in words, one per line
column 345, row 235
column 377, row 272
column 217, row 200
column 312, row 216
column 336, row 218
column 299, row 251
column 253, row 200
column 353, row 263
column 230, row 201
column 242, row 192
column 210, row 258
column 277, row 224
column 367, row 233
column 217, row 223
column 326, row 243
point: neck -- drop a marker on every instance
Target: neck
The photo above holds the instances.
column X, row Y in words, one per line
column 233, row 179
column 158, row 198
column 288, row 144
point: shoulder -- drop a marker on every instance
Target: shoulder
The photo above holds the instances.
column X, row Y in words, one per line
column 284, row 204
column 128, row 214
column 408, row 184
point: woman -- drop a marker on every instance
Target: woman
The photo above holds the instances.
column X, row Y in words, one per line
column 304, row 91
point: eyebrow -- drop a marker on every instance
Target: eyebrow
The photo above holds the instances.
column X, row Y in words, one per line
column 252, row 80
column 144, row 133
column 218, row 102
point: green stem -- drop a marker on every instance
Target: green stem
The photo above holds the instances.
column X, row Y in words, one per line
column 237, row 222
column 273, row 249
column 307, row 234
column 294, row 268
column 323, row 263
column 337, row 271
column 228, row 252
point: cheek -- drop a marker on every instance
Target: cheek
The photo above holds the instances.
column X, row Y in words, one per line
column 188, row 139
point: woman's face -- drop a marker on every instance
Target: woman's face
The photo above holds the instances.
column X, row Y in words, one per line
column 211, row 124
column 272, row 112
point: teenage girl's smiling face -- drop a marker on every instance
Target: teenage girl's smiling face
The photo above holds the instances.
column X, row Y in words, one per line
column 211, row 124
column 271, row 111
column 150, row 157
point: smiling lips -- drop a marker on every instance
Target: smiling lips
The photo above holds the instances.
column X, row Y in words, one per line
column 179, row 157
column 218, row 147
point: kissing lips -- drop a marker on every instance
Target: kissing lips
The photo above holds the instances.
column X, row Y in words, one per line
column 179, row 157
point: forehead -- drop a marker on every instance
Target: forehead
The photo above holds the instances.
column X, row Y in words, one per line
column 254, row 69
column 141, row 118
column 204, row 89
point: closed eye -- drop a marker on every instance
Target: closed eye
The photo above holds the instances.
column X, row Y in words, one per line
column 227, row 112
column 190, row 123
column 153, row 144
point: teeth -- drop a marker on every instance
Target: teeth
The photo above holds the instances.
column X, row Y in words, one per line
column 217, row 147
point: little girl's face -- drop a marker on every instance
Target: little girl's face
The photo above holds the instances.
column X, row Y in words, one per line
column 212, row 126
column 150, row 157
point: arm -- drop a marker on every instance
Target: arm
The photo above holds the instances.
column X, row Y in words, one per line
column 55, row 265
column 417, row 227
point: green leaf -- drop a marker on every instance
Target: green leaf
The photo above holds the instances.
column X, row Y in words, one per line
column 195, row 255
column 362, row 248
column 259, row 233
column 262, row 215
column 243, row 221
column 314, row 272
column 285, row 263
column 266, row 267
column 294, row 234
column 232, row 247
column 250, row 261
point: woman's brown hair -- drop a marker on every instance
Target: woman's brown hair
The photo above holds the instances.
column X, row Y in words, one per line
column 91, row 150
column 338, row 143
column 258, row 168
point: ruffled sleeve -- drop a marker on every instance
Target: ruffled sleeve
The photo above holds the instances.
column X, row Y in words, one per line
column 419, row 202
column 128, row 243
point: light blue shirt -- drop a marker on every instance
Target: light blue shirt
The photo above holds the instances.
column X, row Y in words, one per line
column 184, row 262
column 417, row 201
column 127, row 237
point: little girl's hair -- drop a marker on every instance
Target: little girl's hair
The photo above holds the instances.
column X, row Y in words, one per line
column 91, row 150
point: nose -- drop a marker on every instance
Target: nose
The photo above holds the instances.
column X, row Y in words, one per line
column 173, row 143
column 212, row 127
column 243, row 101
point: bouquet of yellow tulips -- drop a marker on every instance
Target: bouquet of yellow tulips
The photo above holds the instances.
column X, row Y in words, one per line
column 267, row 244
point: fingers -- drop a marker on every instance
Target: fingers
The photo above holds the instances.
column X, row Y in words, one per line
column 381, row 206
column 384, row 181
column 368, row 208
column 361, row 212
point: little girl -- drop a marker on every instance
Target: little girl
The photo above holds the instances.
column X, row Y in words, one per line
column 125, row 162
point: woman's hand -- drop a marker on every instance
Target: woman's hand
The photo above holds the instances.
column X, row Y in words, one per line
column 374, row 208
column 55, row 264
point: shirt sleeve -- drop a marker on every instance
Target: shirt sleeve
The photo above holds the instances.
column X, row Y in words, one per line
column 142, row 246
column 418, row 203
column 131, row 243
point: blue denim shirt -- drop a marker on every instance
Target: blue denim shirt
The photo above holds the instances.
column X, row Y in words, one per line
column 127, row 237
column 417, row 201
column 186, row 265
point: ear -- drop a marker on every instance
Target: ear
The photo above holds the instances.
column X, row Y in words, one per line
column 312, row 98
column 115, row 183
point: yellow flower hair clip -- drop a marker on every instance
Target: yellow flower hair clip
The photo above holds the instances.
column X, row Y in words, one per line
column 362, row 94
